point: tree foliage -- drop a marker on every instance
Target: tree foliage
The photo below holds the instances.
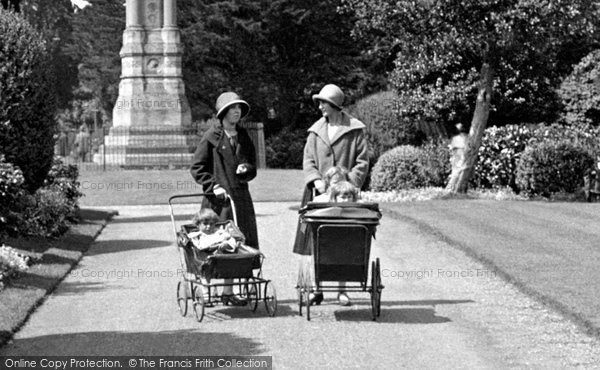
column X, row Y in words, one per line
column 504, row 57
column 440, row 46
column 274, row 53
column 580, row 92
column 95, row 44
column 27, row 100
column 53, row 19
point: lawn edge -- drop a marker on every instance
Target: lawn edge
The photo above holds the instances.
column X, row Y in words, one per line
column 55, row 264
column 578, row 319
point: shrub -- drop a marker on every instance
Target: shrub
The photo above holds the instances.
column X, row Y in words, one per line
column 435, row 163
column 286, row 149
column 408, row 167
column 580, row 92
column 27, row 99
column 384, row 128
column 45, row 213
column 11, row 192
column 584, row 136
column 552, row 167
column 12, row 261
column 498, row 155
column 63, row 178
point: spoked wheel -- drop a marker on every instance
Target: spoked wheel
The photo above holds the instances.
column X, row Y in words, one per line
column 300, row 303
column 199, row 303
column 300, row 288
column 270, row 298
column 307, row 300
column 379, row 286
column 251, row 294
column 182, row 297
column 375, row 289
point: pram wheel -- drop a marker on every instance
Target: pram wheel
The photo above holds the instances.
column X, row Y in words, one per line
column 270, row 298
column 199, row 303
column 251, row 294
column 182, row 297
column 375, row 289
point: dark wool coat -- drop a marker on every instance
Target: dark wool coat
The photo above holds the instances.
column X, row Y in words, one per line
column 215, row 162
column 347, row 148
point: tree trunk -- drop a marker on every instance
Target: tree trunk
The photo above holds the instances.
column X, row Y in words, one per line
column 461, row 174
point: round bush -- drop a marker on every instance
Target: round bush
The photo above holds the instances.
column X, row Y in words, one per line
column 552, row 167
column 27, row 99
column 399, row 168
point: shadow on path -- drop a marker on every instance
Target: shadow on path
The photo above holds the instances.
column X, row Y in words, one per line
column 394, row 315
column 116, row 343
column 76, row 288
column 115, row 246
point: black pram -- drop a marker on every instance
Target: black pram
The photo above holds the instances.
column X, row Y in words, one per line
column 340, row 237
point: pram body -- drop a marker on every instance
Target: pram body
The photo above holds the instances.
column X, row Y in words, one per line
column 200, row 269
column 340, row 237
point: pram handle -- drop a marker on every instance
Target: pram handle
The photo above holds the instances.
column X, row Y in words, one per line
column 197, row 195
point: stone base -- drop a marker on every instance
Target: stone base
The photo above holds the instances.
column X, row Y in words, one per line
column 140, row 146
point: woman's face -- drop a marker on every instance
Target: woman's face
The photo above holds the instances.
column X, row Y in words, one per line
column 327, row 110
column 233, row 115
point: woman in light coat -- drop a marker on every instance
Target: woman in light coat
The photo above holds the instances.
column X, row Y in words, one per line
column 336, row 139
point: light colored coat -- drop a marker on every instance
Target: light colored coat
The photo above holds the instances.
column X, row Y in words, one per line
column 347, row 148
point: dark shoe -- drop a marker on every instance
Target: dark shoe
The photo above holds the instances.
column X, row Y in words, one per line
column 233, row 299
column 315, row 298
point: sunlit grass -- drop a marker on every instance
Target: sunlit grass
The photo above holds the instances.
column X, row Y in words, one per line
column 432, row 193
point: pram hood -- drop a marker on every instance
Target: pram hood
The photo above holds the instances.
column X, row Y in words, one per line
column 358, row 213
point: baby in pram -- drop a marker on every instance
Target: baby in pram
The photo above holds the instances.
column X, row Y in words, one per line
column 210, row 238
column 214, row 237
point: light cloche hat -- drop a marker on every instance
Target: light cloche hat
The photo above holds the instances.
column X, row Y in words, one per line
column 226, row 100
column 332, row 94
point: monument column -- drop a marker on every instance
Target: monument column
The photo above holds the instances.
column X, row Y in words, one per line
column 151, row 113
column 132, row 9
column 170, row 10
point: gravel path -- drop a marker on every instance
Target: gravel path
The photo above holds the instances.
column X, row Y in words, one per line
column 440, row 309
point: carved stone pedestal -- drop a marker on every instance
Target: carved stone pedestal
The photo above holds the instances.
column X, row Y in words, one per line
column 152, row 114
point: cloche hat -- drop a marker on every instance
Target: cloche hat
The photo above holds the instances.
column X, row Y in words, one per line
column 228, row 99
column 331, row 94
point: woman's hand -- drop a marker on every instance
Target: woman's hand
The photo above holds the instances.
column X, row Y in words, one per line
column 320, row 186
column 241, row 169
column 219, row 192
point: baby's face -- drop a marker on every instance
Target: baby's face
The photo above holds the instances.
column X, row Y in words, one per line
column 207, row 226
column 344, row 197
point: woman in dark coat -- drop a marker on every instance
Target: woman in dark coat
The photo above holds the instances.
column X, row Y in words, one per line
column 224, row 162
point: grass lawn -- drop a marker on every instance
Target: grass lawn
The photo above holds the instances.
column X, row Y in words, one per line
column 145, row 187
column 550, row 250
column 28, row 289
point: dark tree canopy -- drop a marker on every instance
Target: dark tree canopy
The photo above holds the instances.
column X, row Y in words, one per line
column 12, row 5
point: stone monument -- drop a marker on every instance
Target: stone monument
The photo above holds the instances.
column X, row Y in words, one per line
column 152, row 114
